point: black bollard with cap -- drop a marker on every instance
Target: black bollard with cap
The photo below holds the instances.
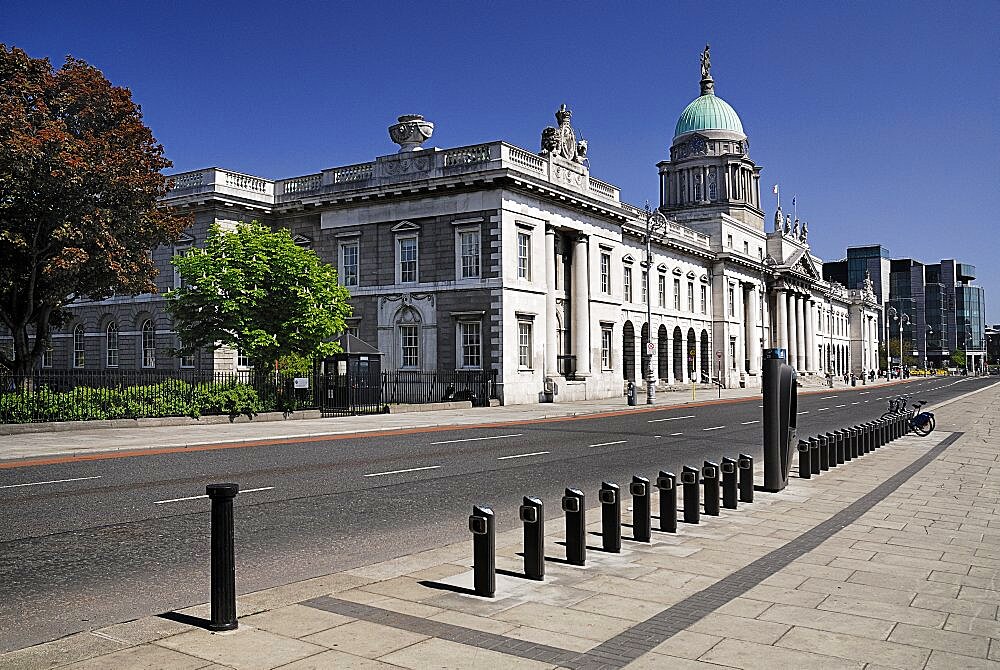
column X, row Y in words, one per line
column 841, row 445
column 805, row 467
column 611, row 516
column 641, row 514
column 667, row 485
column 692, row 495
column 824, row 452
column 532, row 514
column 223, row 557
column 745, row 463
column 710, row 476
column 831, row 445
column 573, row 504
column 814, row 452
column 729, row 482
column 482, row 523
column 848, row 441
column 856, row 441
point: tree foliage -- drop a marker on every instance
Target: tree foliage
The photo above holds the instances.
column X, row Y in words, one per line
column 79, row 183
column 255, row 290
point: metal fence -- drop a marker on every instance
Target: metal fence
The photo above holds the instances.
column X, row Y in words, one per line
column 405, row 387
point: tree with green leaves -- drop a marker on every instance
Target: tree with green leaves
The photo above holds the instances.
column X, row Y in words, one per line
column 253, row 289
column 79, row 184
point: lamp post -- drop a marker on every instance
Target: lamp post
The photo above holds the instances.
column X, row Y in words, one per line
column 930, row 331
column 654, row 221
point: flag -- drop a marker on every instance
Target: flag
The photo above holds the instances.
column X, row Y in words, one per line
column 793, row 201
column 775, row 189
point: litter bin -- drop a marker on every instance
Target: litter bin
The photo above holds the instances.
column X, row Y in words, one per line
column 630, row 394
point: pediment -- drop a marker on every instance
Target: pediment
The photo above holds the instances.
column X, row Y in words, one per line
column 703, row 278
column 405, row 227
column 677, row 271
column 184, row 238
column 662, row 267
column 627, row 258
column 302, row 240
column 691, row 274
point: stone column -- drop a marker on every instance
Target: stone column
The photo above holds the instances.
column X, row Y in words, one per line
column 810, row 307
column 580, row 306
column 551, row 332
column 793, row 349
column 753, row 330
column 780, row 319
column 800, row 333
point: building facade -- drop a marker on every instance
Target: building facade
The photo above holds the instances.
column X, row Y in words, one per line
column 494, row 257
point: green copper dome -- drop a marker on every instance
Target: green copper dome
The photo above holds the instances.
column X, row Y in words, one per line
column 708, row 112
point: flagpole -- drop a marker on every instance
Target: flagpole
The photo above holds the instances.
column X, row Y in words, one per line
column 795, row 207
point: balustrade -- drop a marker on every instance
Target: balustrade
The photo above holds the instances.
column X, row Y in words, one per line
column 467, row 155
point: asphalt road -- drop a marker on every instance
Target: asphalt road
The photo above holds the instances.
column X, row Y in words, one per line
column 92, row 543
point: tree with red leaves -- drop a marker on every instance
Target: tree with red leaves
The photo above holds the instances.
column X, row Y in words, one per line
column 80, row 176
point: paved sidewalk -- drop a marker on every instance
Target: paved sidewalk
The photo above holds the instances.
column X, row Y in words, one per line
column 84, row 441
column 888, row 561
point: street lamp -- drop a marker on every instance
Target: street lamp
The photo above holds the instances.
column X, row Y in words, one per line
column 654, row 221
column 930, row 331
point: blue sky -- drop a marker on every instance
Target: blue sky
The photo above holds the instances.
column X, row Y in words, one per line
column 882, row 117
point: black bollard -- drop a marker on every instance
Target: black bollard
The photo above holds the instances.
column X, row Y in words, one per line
column 831, row 445
column 805, row 467
column 692, row 496
column 641, row 523
column 223, row 557
column 841, row 444
column 824, row 452
column 814, row 454
column 870, row 437
column 611, row 516
column 848, row 441
column 729, row 483
column 532, row 514
column 856, row 442
column 710, row 476
column 667, row 484
column 746, row 478
column 483, row 526
column 576, row 526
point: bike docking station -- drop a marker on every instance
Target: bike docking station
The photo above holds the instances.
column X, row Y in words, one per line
column 745, row 465
column 482, row 523
column 710, row 478
column 729, row 483
column 573, row 504
column 641, row 514
column 780, row 396
column 666, row 484
column 692, row 496
column 611, row 517
column 532, row 515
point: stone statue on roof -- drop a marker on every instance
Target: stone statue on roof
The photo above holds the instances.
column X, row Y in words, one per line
column 805, row 231
column 706, row 63
column 788, row 224
column 777, row 220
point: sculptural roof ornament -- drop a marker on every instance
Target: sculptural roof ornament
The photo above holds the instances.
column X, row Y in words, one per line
column 869, row 285
column 561, row 141
column 410, row 131
column 707, row 83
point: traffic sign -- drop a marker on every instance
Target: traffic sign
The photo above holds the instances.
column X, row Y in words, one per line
column 718, row 354
column 650, row 348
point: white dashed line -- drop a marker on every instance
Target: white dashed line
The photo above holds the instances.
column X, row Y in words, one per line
column 823, row 409
column 534, row 453
column 474, row 439
column 841, row 405
column 747, row 423
column 397, row 472
column 51, row 481
column 173, row 500
column 675, row 434
column 827, row 397
column 608, row 444
column 714, row 428
column 805, row 412
column 673, row 418
column 855, row 403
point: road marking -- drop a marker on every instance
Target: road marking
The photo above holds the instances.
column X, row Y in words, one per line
column 173, row 500
column 864, row 392
column 673, row 418
column 51, row 481
column 714, row 428
column 747, row 423
column 841, row 405
column 675, row 434
column 396, row 472
column 474, row 439
column 607, row 444
column 805, row 412
column 827, row 397
column 534, row 453
column 855, row 403
column 823, row 409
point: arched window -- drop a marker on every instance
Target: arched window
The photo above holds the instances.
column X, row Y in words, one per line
column 111, row 345
column 148, row 345
column 79, row 348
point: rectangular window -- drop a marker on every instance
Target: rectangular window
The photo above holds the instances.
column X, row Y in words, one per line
column 180, row 250
column 470, row 333
column 79, row 348
column 732, row 301
column 605, row 273
column 691, row 296
column 469, row 250
column 111, row 346
column 704, row 300
column 677, row 294
column 524, row 345
column 627, row 285
column 408, row 260
column 746, row 247
column 645, row 284
column 47, row 357
column 729, row 241
column 349, row 264
column 760, row 252
column 409, row 346
column 354, row 331
column 732, row 353
column 524, row 256
column 606, row 347
column 187, row 360
column 242, row 360
column 662, row 289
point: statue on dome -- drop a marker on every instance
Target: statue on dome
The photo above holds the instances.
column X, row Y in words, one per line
column 706, row 63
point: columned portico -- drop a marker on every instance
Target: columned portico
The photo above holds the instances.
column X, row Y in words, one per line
column 551, row 333
column 793, row 328
column 580, row 306
column 810, row 307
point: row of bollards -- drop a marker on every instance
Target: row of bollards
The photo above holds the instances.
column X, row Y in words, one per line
column 732, row 481
column 822, row 452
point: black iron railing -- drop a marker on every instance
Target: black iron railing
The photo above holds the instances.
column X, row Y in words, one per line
column 406, row 387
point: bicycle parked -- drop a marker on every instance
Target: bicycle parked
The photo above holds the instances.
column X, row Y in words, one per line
column 921, row 423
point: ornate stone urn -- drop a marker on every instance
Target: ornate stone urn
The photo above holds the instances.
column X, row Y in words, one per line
column 410, row 131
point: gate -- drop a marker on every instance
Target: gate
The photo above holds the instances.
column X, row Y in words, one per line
column 352, row 387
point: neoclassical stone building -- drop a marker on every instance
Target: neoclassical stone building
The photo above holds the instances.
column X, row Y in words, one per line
column 496, row 257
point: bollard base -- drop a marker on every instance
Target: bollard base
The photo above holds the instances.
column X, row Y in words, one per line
column 222, row 627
